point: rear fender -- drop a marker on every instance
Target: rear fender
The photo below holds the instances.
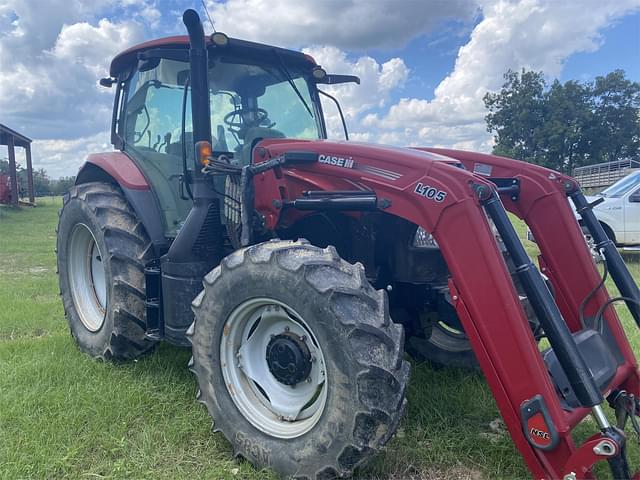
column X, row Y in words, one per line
column 117, row 168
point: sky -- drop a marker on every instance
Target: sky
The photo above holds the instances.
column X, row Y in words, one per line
column 424, row 64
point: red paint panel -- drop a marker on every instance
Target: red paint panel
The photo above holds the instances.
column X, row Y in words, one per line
column 121, row 168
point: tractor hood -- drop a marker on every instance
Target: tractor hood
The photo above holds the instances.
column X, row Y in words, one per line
column 358, row 156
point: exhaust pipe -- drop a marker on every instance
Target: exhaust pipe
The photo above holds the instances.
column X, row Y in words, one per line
column 200, row 107
column 198, row 246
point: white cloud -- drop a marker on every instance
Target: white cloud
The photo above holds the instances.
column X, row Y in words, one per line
column 534, row 34
column 62, row 158
column 347, row 24
column 93, row 47
column 51, row 91
column 376, row 83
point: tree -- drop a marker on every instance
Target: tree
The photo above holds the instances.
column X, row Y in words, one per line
column 562, row 132
column 616, row 129
column 564, row 126
column 62, row 185
column 514, row 112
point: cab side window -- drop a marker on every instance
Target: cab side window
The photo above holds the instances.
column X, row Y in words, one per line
column 153, row 135
column 153, row 113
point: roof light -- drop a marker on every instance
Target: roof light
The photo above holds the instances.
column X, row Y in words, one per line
column 219, row 39
column 319, row 73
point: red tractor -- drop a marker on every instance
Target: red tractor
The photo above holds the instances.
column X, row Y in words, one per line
column 304, row 261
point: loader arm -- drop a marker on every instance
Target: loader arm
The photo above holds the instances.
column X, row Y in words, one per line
column 542, row 202
column 453, row 204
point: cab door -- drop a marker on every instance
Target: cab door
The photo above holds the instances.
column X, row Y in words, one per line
column 632, row 218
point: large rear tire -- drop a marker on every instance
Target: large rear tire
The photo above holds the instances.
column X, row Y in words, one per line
column 102, row 249
column 444, row 346
column 337, row 394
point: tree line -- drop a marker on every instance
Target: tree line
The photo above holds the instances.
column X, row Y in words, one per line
column 42, row 184
column 565, row 125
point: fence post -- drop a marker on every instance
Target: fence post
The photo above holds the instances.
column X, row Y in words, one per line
column 29, row 173
column 12, row 170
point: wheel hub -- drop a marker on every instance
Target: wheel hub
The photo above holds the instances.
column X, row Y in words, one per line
column 289, row 358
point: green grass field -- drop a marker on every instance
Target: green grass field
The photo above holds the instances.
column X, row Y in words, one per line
column 64, row 415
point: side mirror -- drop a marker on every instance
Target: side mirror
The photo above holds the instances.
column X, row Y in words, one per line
column 331, row 79
column 321, row 76
column 635, row 197
column 107, row 82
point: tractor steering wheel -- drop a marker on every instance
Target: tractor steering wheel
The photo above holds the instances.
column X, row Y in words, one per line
column 237, row 126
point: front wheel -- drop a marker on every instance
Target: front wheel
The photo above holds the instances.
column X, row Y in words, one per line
column 297, row 359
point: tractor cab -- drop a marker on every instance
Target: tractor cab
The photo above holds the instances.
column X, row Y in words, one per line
column 255, row 92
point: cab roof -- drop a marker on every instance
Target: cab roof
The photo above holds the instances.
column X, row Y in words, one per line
column 235, row 46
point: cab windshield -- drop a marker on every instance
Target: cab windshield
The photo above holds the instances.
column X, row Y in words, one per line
column 622, row 186
column 248, row 102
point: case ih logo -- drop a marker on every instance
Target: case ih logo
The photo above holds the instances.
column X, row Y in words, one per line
column 345, row 162
column 539, row 433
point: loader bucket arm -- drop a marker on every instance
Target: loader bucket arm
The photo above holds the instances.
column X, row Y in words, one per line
column 541, row 200
column 453, row 204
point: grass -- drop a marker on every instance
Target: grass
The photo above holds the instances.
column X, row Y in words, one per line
column 64, row 415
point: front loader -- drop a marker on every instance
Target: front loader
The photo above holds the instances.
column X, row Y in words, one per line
column 294, row 266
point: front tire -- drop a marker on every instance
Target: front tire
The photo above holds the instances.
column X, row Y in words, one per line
column 101, row 251
column 344, row 346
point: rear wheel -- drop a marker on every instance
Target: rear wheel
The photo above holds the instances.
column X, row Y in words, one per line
column 445, row 343
column 297, row 359
column 439, row 343
column 102, row 249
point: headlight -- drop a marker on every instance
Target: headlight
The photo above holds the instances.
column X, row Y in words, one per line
column 423, row 239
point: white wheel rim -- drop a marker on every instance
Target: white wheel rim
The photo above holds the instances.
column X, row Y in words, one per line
column 271, row 406
column 87, row 278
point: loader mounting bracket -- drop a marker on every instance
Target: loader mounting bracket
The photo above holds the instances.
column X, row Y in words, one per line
column 507, row 186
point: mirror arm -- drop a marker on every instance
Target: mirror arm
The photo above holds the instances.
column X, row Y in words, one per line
column 335, row 100
column 336, row 79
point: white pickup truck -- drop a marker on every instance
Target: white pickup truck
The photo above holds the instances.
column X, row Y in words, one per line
column 619, row 210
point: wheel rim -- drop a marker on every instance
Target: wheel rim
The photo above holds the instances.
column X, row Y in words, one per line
column 87, row 278
column 280, row 410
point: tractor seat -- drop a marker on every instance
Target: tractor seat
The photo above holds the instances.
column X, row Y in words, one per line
column 253, row 136
column 175, row 148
